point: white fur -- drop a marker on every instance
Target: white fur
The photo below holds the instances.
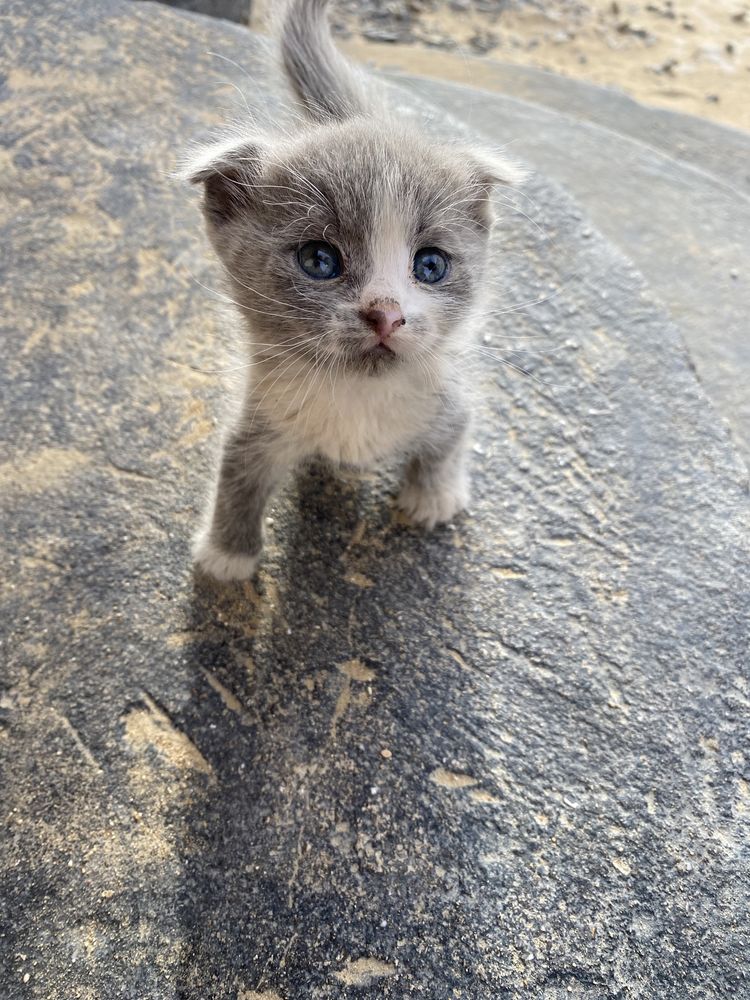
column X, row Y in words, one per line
column 391, row 262
column 354, row 420
column 438, row 505
column 222, row 565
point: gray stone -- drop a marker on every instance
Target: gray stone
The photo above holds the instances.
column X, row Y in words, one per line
column 231, row 10
column 484, row 42
column 502, row 761
column 383, row 35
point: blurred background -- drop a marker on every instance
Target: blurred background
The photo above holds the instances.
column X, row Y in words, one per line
column 685, row 55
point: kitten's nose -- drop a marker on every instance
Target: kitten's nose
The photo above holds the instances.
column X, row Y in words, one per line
column 383, row 317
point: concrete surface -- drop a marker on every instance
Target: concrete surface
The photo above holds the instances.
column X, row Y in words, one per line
column 503, row 761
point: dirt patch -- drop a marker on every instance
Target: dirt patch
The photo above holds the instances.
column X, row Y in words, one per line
column 450, row 779
column 150, row 726
column 364, row 971
column 41, row 471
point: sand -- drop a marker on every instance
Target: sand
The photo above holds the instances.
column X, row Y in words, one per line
column 686, row 55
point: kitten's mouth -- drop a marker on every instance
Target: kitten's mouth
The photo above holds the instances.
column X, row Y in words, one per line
column 375, row 359
column 379, row 351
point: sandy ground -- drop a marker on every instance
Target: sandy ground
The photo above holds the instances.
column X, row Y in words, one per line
column 686, row 55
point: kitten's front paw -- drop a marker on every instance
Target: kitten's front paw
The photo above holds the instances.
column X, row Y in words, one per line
column 429, row 507
column 222, row 565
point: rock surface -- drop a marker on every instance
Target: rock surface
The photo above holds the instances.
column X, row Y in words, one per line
column 230, row 10
column 507, row 760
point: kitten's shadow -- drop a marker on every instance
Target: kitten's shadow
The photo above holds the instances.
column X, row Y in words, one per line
column 343, row 583
column 346, row 543
column 334, row 539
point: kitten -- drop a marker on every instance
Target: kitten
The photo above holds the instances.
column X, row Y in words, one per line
column 355, row 252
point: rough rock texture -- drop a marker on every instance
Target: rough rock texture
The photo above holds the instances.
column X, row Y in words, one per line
column 503, row 761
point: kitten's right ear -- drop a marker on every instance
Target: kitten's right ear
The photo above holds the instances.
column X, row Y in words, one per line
column 230, row 172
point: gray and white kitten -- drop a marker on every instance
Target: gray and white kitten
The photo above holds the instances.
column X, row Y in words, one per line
column 355, row 251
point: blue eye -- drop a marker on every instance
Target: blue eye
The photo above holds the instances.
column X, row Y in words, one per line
column 319, row 260
column 430, row 265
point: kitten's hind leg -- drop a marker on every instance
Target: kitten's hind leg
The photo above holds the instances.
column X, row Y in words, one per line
column 436, row 484
column 228, row 547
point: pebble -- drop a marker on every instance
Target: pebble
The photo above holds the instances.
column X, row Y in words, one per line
column 484, row 41
column 381, row 35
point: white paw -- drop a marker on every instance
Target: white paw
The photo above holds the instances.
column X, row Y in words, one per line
column 222, row 565
column 427, row 508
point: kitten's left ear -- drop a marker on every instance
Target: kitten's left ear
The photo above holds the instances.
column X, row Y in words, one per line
column 230, row 172
column 489, row 171
column 492, row 169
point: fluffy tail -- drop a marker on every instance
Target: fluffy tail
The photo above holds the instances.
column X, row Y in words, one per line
column 326, row 84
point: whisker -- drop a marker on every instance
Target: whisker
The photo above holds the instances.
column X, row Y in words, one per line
column 523, row 371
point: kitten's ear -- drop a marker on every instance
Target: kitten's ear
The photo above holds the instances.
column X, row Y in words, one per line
column 492, row 169
column 489, row 171
column 230, row 172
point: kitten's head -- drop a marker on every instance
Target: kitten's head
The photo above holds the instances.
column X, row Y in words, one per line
column 357, row 247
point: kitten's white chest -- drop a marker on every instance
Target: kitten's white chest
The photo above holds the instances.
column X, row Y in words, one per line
column 364, row 420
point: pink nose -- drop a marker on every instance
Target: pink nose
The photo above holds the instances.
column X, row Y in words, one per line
column 384, row 317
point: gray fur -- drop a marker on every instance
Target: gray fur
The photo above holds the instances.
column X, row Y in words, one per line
column 436, row 481
column 247, row 476
column 328, row 87
column 319, row 384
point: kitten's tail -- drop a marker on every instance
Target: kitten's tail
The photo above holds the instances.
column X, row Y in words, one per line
column 327, row 85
